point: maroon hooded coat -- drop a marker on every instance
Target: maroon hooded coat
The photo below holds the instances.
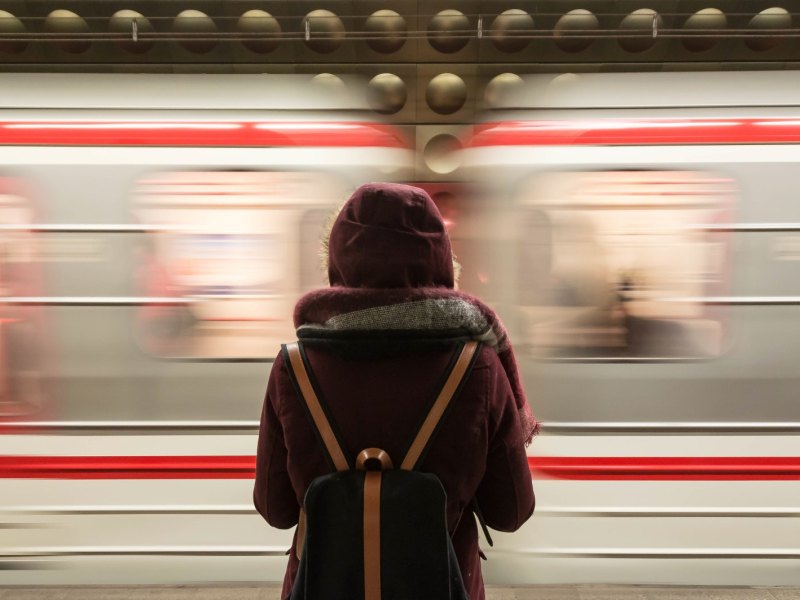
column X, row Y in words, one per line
column 378, row 342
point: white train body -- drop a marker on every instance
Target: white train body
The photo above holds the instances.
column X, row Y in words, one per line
column 655, row 315
column 162, row 228
column 661, row 341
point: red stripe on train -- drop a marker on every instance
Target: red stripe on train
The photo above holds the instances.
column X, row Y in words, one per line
column 127, row 467
column 200, row 133
column 667, row 467
column 243, row 467
column 637, row 132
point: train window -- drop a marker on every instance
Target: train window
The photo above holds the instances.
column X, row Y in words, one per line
column 22, row 328
column 223, row 260
column 617, row 264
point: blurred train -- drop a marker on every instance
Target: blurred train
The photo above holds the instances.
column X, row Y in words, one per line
column 638, row 233
column 651, row 237
column 156, row 232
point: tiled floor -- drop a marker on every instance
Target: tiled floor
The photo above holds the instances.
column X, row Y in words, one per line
column 548, row 592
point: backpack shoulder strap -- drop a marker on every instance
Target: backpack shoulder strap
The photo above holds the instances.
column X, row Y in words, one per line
column 299, row 372
column 458, row 373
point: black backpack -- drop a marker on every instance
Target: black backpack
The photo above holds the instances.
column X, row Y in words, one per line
column 371, row 531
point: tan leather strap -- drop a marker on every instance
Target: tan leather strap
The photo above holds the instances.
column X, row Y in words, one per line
column 315, row 408
column 372, row 535
column 439, row 406
column 301, row 534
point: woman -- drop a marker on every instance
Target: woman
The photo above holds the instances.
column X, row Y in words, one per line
column 378, row 341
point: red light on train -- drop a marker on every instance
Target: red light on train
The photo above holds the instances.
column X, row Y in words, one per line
column 313, row 134
column 635, row 132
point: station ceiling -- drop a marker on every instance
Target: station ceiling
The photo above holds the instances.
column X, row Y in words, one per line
column 300, row 36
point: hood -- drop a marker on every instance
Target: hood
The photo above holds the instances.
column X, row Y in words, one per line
column 389, row 235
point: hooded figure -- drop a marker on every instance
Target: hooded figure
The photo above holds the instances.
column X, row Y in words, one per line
column 379, row 340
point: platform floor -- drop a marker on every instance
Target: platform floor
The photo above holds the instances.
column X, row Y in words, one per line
column 545, row 592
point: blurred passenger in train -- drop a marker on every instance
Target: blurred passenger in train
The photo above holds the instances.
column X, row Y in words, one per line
column 648, row 335
column 163, row 326
column 378, row 340
column 24, row 354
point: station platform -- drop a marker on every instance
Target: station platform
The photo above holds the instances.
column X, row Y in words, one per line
column 271, row 592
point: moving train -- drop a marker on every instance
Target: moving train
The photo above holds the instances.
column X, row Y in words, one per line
column 156, row 232
column 653, row 281
column 637, row 233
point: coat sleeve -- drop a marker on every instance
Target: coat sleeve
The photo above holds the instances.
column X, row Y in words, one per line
column 273, row 495
column 505, row 494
